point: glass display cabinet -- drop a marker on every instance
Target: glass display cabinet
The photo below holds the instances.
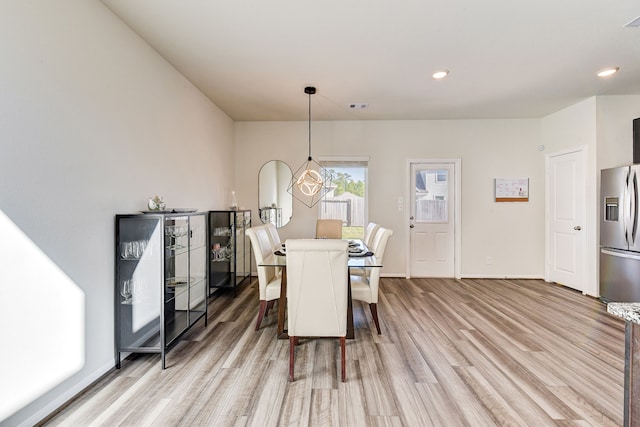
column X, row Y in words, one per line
column 160, row 280
column 230, row 249
column 271, row 215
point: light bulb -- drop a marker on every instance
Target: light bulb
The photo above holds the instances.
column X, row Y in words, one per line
column 310, row 182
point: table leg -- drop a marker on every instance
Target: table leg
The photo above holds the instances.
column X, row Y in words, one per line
column 350, row 331
column 282, row 306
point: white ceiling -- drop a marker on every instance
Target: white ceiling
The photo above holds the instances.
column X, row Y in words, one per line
column 508, row 58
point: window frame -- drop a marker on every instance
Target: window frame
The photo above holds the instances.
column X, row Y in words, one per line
column 333, row 162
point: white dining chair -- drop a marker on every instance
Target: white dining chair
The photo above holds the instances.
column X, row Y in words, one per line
column 369, row 233
column 365, row 287
column 276, row 243
column 317, row 291
column 274, row 236
column 268, row 281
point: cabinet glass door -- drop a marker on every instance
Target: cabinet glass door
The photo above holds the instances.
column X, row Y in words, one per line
column 221, row 230
column 138, row 255
column 177, row 280
column 197, row 267
column 240, row 243
column 229, row 257
column 246, row 247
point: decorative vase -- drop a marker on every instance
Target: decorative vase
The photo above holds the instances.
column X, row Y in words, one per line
column 234, row 202
column 156, row 204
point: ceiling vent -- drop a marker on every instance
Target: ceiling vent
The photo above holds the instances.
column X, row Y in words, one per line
column 634, row 23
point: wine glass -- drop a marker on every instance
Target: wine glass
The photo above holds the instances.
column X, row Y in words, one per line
column 135, row 249
column 125, row 250
column 125, row 291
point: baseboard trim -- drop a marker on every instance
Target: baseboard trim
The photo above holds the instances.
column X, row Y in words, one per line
column 473, row 276
column 503, row 276
column 58, row 403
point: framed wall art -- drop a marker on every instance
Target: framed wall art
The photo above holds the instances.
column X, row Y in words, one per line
column 512, row 189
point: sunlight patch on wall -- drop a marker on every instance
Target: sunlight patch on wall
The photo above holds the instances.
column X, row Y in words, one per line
column 42, row 314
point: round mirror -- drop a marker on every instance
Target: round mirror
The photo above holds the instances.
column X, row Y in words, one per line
column 275, row 203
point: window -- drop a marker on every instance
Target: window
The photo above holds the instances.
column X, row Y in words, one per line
column 432, row 188
column 441, row 176
column 347, row 197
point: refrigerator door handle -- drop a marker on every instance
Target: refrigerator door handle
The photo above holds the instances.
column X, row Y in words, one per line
column 633, row 208
column 621, row 254
column 625, row 208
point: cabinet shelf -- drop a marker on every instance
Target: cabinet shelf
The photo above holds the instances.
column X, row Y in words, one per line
column 163, row 293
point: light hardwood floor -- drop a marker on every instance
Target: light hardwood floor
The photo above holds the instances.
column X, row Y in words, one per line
column 451, row 353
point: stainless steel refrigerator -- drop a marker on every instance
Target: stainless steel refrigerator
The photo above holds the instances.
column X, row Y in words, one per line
column 619, row 236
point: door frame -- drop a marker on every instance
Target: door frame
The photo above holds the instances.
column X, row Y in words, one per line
column 547, row 213
column 457, row 234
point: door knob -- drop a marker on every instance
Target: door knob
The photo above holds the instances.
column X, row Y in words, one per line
column 411, row 226
column 577, row 228
column 411, row 217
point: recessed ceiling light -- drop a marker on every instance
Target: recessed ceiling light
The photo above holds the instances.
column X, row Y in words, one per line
column 440, row 74
column 608, row 71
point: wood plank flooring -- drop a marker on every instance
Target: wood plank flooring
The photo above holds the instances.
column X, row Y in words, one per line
column 451, row 353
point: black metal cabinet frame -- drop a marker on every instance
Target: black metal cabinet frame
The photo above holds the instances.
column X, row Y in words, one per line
column 160, row 280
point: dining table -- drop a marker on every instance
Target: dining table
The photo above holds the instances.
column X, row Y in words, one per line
column 361, row 258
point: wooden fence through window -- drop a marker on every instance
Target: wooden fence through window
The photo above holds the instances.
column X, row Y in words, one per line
column 350, row 211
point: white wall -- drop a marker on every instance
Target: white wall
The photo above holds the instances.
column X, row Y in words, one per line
column 511, row 233
column 575, row 127
column 604, row 126
column 615, row 116
column 92, row 122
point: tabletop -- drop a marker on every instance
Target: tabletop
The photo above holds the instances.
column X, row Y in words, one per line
column 371, row 261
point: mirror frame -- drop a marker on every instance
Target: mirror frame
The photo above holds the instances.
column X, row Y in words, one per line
column 275, row 203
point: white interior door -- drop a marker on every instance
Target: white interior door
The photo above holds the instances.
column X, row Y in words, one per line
column 566, row 201
column 432, row 220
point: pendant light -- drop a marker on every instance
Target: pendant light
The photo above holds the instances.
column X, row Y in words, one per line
column 311, row 181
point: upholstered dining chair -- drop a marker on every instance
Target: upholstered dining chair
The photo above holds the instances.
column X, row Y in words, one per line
column 317, row 291
column 274, row 235
column 369, row 233
column 329, row 229
column 365, row 287
column 268, row 281
column 275, row 242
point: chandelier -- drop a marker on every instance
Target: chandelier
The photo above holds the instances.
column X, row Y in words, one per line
column 311, row 181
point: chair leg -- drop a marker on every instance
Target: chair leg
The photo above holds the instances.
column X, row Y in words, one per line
column 374, row 313
column 269, row 306
column 261, row 311
column 292, row 346
column 343, row 344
